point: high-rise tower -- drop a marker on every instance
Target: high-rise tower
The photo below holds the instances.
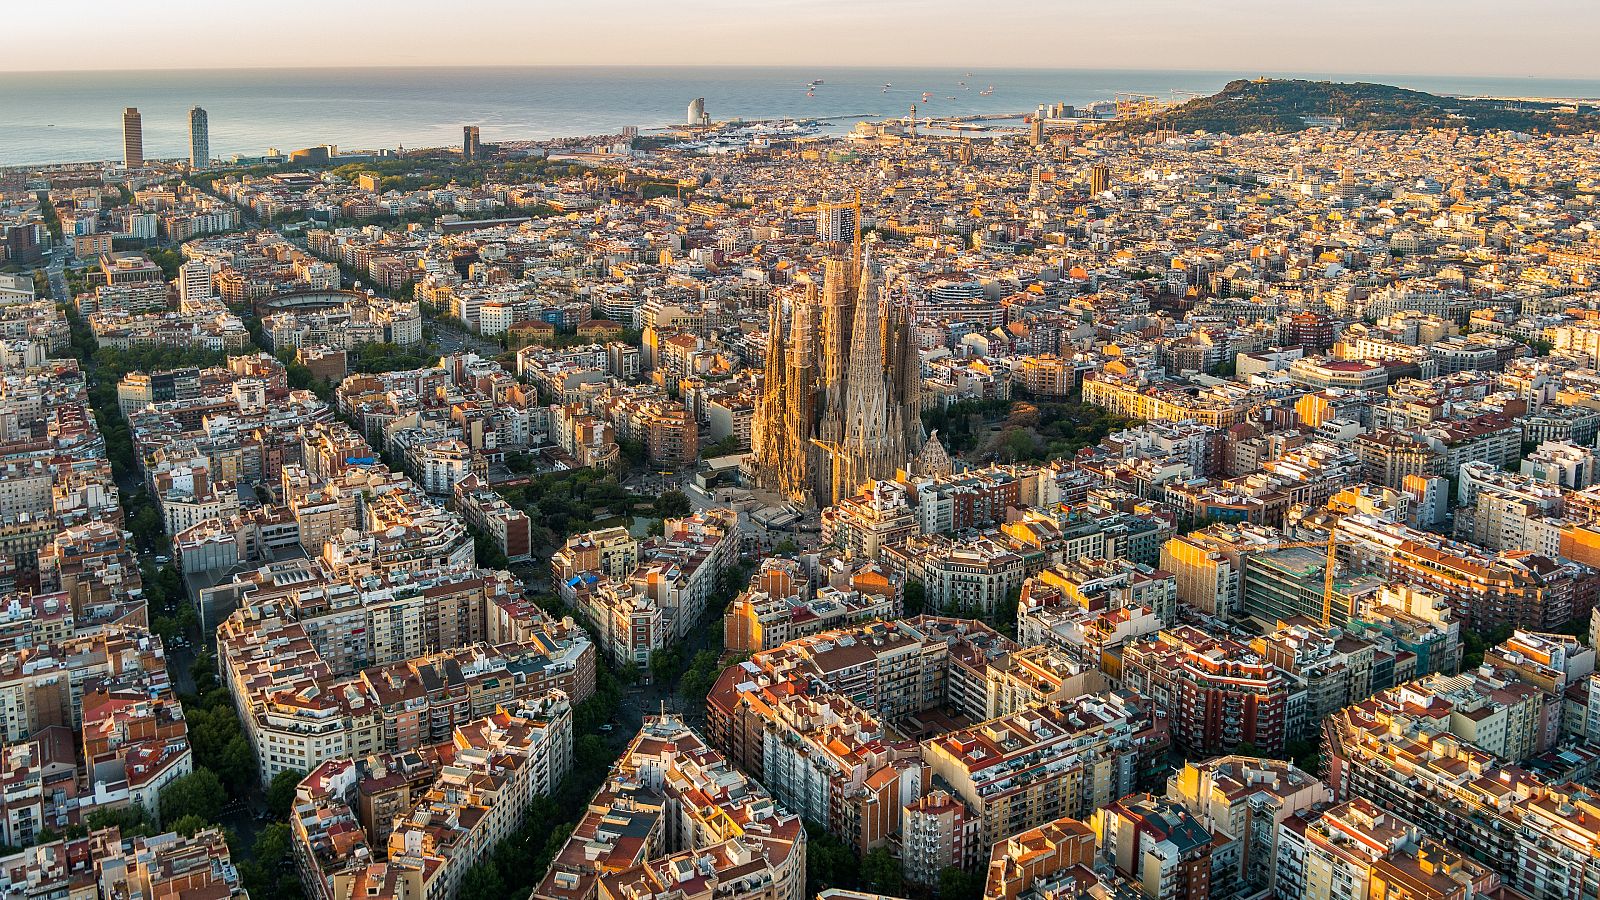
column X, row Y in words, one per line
column 471, row 147
column 132, row 139
column 837, row 222
column 199, row 138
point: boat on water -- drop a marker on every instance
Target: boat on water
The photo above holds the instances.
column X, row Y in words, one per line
column 986, row 91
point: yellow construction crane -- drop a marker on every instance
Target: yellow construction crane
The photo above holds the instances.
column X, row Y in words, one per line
column 1327, row 570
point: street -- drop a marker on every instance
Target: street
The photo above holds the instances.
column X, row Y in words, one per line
column 451, row 339
column 58, row 278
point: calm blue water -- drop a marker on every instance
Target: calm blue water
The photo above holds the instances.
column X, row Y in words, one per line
column 58, row 116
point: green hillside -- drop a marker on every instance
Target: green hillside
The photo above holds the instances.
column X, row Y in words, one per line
column 1284, row 105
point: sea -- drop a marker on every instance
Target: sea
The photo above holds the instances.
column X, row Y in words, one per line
column 48, row 117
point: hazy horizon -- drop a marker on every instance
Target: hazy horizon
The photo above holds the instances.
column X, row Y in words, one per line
column 1272, row 73
column 1544, row 39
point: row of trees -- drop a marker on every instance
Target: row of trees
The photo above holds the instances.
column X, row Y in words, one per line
column 170, row 613
column 1002, row 617
column 215, row 732
column 170, row 261
column 380, row 357
column 224, row 764
column 693, row 677
column 105, row 366
column 516, row 864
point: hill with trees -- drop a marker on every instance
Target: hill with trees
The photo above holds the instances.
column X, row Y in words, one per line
column 1281, row 105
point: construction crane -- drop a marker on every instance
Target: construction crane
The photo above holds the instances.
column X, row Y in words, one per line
column 1137, row 106
column 1327, row 570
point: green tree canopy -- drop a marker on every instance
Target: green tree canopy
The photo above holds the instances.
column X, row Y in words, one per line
column 199, row 793
column 955, row 884
column 280, row 793
column 189, row 824
column 673, row 504
column 880, row 873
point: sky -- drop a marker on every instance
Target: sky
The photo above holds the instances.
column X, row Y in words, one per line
column 1541, row 38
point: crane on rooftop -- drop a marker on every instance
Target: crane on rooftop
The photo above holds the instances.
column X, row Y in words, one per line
column 1327, row 570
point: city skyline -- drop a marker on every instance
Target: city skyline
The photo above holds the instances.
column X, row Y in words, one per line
column 1168, row 470
column 1427, row 37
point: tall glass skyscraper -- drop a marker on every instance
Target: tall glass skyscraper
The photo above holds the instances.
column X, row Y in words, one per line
column 199, row 139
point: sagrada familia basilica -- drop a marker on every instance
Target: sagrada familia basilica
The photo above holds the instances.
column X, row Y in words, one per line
column 841, row 402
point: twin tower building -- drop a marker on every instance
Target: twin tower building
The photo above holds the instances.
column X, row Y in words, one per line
column 841, row 403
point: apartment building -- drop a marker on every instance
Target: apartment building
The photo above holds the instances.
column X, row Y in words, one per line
column 1031, row 862
column 1245, row 801
column 1110, row 584
column 1032, row 767
column 674, row 815
column 104, row 692
column 450, row 815
column 104, row 866
column 1046, row 615
column 1357, row 849
column 780, row 604
column 1134, row 398
column 1412, row 620
column 973, row 576
column 1407, row 749
column 1335, row 669
column 894, row 671
column 1158, row 846
column 1502, row 511
column 1484, row 589
column 299, row 711
column 135, row 743
column 482, row 507
column 1221, row 692
column 634, row 611
column 938, row 833
column 866, row 523
column 836, row 764
column 1205, row 576
column 1037, row 675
